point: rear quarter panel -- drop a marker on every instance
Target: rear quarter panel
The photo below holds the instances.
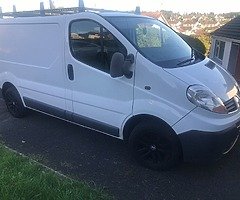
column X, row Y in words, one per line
column 32, row 57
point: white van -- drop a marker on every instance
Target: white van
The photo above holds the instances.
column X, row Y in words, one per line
column 124, row 75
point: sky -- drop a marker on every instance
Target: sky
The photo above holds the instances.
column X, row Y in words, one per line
column 182, row 6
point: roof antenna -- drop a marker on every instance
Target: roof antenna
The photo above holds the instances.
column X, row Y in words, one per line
column 42, row 11
column 52, row 6
column 138, row 10
column 14, row 9
column 81, row 6
column 1, row 16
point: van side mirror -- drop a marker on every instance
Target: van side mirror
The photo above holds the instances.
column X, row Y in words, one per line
column 120, row 66
column 116, row 65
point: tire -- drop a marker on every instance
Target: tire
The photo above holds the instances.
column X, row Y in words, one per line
column 14, row 103
column 154, row 146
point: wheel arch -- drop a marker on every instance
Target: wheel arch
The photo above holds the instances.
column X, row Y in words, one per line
column 5, row 86
column 135, row 120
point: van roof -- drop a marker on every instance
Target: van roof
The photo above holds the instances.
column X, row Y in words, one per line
column 66, row 11
column 55, row 18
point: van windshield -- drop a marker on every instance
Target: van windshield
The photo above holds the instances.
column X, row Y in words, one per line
column 156, row 41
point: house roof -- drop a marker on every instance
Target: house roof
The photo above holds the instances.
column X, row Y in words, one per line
column 157, row 15
column 229, row 30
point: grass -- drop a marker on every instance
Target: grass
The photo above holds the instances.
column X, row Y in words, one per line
column 23, row 179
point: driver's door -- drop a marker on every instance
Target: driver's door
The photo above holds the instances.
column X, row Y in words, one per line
column 98, row 100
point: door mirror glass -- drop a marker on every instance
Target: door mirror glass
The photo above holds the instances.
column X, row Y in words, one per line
column 121, row 66
column 116, row 65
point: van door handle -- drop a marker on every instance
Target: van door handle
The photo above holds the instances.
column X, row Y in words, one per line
column 70, row 72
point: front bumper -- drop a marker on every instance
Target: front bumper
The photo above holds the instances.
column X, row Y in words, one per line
column 205, row 146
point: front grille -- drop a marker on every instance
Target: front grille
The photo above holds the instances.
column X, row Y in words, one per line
column 231, row 105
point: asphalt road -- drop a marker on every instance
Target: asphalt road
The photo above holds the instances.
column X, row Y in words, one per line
column 105, row 162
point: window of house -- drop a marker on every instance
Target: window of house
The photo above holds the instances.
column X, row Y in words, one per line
column 93, row 44
column 219, row 49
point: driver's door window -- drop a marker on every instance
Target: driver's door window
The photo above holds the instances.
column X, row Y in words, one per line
column 94, row 45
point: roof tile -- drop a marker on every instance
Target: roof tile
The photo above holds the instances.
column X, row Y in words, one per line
column 230, row 29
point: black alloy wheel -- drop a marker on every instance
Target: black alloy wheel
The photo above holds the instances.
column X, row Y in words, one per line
column 14, row 103
column 153, row 147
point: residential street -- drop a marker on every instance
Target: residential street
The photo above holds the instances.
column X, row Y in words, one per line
column 103, row 161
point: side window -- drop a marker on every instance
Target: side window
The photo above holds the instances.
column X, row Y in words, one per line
column 93, row 45
column 219, row 49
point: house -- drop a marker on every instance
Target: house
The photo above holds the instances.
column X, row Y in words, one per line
column 225, row 49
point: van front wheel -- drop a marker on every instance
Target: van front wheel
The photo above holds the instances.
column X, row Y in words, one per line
column 14, row 103
column 154, row 147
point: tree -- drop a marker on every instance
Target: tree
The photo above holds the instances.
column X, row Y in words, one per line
column 194, row 43
column 206, row 40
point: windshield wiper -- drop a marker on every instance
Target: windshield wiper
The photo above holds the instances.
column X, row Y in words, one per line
column 189, row 59
column 185, row 61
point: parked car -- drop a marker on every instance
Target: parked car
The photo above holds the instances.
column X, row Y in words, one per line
column 125, row 75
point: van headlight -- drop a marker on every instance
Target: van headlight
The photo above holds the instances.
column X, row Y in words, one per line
column 205, row 98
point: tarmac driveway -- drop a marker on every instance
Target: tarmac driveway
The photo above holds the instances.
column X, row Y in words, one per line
column 105, row 162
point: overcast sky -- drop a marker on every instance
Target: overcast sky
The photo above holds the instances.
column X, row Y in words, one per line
column 182, row 6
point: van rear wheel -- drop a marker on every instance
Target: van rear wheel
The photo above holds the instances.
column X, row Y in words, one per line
column 14, row 103
column 154, row 147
